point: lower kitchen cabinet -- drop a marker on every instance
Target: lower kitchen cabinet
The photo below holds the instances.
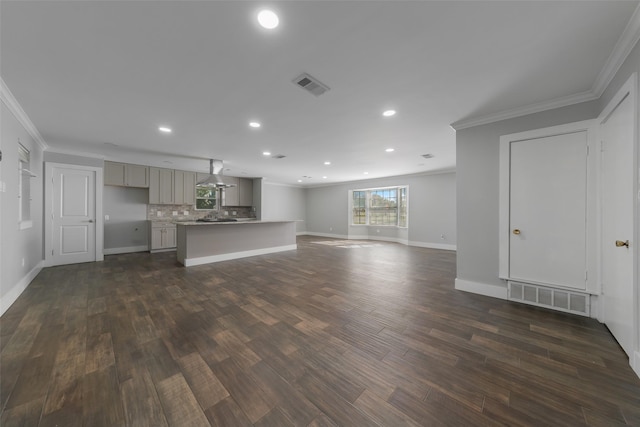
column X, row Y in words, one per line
column 163, row 236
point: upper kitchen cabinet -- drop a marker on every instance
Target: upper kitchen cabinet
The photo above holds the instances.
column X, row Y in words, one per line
column 184, row 188
column 161, row 186
column 126, row 175
column 241, row 194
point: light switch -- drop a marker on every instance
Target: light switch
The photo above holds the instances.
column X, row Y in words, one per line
column 175, row 213
column 106, row 217
column 186, row 213
column 159, row 213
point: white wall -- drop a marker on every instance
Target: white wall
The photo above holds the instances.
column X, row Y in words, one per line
column 284, row 202
column 21, row 254
column 432, row 210
column 127, row 227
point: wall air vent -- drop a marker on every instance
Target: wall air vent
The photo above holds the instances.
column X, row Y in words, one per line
column 555, row 299
column 311, row 84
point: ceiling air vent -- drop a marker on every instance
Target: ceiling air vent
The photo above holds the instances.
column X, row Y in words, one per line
column 278, row 156
column 428, row 156
column 311, row 84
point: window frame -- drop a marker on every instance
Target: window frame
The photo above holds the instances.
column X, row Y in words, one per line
column 402, row 206
column 24, row 187
column 216, row 192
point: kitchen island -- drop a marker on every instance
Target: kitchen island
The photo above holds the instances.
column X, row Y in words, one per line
column 206, row 242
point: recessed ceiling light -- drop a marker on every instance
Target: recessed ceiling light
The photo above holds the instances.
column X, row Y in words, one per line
column 366, row 173
column 324, row 177
column 254, row 124
column 390, row 150
column 266, row 153
column 299, row 180
column 389, row 113
column 165, row 129
column 268, row 19
column 327, row 163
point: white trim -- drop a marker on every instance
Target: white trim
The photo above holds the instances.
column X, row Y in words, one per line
column 125, row 250
column 382, row 177
column 512, row 113
column 14, row 106
column 10, row 297
column 635, row 363
column 481, row 288
column 621, row 50
column 623, row 47
column 443, row 246
column 189, row 262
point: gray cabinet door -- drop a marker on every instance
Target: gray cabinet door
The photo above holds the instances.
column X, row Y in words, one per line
column 137, row 176
column 114, row 173
column 184, row 188
column 189, row 188
column 231, row 194
column 245, row 187
column 161, row 186
column 178, row 187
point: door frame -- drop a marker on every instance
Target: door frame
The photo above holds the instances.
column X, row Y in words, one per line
column 504, row 231
column 48, row 209
column 629, row 88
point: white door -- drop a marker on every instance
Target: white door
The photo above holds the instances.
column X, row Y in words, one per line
column 617, row 223
column 548, row 193
column 73, row 216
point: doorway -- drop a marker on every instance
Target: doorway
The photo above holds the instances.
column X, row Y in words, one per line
column 73, row 210
column 619, row 305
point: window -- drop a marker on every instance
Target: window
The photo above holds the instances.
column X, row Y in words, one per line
column 359, row 207
column 380, row 206
column 24, row 187
column 206, row 198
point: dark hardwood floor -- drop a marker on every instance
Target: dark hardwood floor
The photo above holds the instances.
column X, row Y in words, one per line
column 321, row 336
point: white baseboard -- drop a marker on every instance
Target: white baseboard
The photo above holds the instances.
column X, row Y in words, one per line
column 443, row 246
column 189, row 262
column 18, row 288
column 313, row 233
column 126, row 250
column 481, row 288
column 635, row 365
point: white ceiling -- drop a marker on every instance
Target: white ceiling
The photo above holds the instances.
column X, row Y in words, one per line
column 92, row 74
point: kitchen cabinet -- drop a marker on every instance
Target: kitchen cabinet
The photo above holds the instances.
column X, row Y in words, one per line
column 161, row 186
column 184, row 184
column 163, row 236
column 126, row 175
column 241, row 194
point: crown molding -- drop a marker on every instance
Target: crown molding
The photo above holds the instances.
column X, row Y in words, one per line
column 621, row 50
column 12, row 104
column 523, row 111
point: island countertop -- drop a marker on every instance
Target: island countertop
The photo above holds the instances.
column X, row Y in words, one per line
column 198, row 243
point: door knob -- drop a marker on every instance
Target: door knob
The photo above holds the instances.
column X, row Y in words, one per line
column 620, row 243
column 516, row 231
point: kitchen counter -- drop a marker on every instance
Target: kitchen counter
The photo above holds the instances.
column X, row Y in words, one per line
column 206, row 242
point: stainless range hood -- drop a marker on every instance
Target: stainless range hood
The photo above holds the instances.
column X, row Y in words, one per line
column 215, row 178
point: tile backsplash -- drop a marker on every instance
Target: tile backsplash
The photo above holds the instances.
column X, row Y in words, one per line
column 188, row 212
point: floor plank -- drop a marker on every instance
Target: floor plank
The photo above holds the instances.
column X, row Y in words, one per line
column 320, row 336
